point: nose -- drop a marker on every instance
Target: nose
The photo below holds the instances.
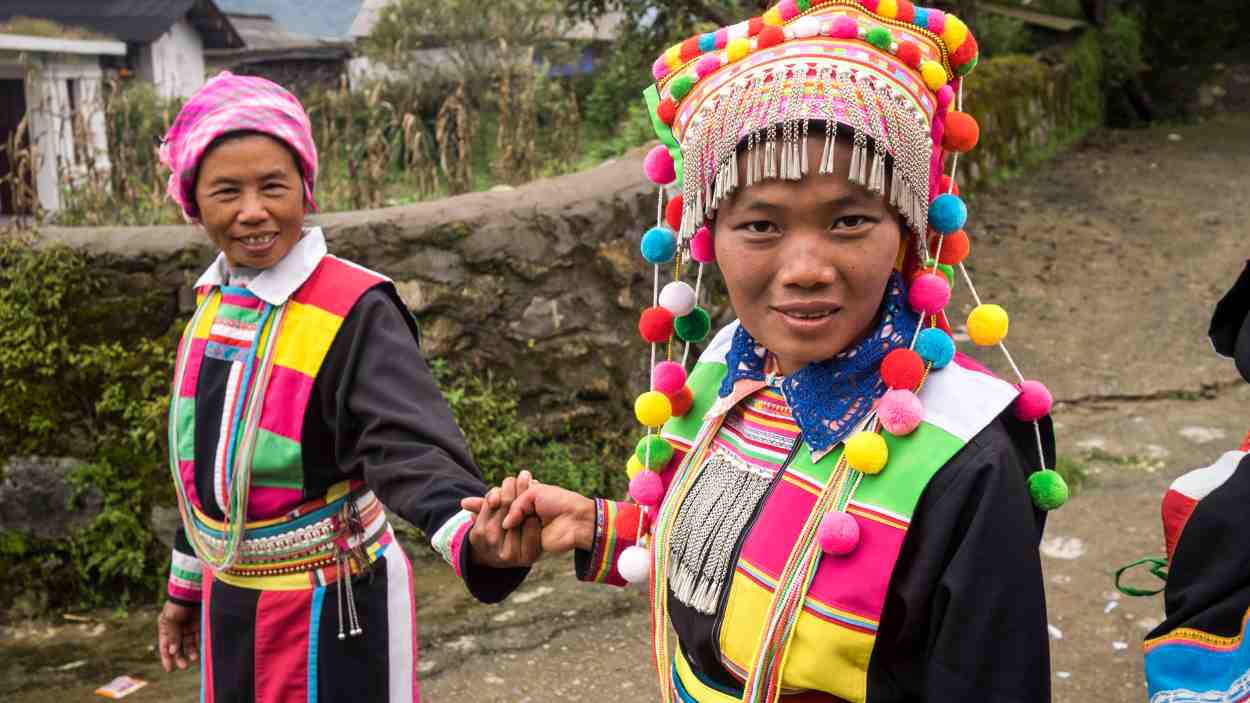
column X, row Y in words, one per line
column 805, row 261
column 252, row 209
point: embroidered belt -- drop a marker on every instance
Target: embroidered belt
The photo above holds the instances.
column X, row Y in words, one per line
column 691, row 687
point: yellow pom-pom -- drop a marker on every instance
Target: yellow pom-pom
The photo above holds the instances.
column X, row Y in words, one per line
column 955, row 34
column 933, row 74
column 867, row 452
column 738, row 49
column 888, row 9
column 653, row 408
column 672, row 57
column 634, row 466
column 773, row 18
column 987, row 325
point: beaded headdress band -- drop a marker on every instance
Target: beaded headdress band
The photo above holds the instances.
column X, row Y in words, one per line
column 886, row 74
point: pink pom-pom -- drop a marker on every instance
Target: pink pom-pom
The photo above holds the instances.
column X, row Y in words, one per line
column 659, row 69
column 706, row 66
column 945, row 98
column 900, row 412
column 703, row 247
column 845, row 28
column 937, row 21
column 647, row 488
column 788, row 9
column 668, row 377
column 659, row 166
column 929, row 294
column 722, row 38
column 838, row 534
column 1034, row 402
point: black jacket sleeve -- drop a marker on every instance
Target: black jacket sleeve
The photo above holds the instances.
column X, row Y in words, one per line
column 965, row 614
column 390, row 422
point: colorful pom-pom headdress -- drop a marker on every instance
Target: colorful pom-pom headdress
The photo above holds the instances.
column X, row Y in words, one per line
column 888, row 77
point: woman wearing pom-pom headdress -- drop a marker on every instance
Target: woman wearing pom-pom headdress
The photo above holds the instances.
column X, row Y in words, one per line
column 831, row 504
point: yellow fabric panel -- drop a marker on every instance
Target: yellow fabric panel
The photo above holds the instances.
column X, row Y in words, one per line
column 204, row 327
column 696, row 688
column 306, row 334
column 822, row 656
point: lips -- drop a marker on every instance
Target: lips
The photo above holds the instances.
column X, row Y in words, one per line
column 808, row 310
column 257, row 242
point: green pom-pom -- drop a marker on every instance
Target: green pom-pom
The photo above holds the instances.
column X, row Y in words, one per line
column 945, row 269
column 880, row 37
column 660, row 451
column 681, row 86
column 804, row 5
column 1048, row 489
column 693, row 327
column 967, row 68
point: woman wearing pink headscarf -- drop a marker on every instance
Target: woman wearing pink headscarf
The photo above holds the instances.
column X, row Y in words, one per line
column 301, row 406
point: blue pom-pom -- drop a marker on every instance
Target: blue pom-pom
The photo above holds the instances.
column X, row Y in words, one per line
column 922, row 17
column 936, row 347
column 659, row 245
column 707, row 42
column 948, row 214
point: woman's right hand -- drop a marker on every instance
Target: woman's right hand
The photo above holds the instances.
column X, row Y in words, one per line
column 178, row 635
column 568, row 518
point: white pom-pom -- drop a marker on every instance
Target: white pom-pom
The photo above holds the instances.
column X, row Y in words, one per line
column 807, row 27
column 678, row 298
column 635, row 565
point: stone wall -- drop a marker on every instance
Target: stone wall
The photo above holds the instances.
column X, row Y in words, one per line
column 543, row 283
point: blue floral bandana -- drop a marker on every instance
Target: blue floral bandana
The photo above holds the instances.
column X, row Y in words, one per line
column 830, row 398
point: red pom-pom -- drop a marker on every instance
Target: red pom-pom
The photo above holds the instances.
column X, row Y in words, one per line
column 682, row 401
column 656, row 325
column 755, row 25
column 966, row 52
column 946, row 185
column 955, row 247
column 909, row 54
column 690, row 49
column 906, row 12
column 672, row 212
column 962, row 132
column 667, row 111
column 870, row 5
column 902, row 369
column 771, row 36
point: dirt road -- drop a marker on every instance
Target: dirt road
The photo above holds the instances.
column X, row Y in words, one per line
column 1109, row 259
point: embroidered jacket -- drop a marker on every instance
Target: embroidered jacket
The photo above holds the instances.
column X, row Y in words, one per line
column 350, row 406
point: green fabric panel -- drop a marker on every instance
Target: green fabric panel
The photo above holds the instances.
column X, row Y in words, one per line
column 186, row 429
column 237, row 314
column 278, row 462
column 704, row 383
column 914, row 460
column 663, row 131
column 185, row 575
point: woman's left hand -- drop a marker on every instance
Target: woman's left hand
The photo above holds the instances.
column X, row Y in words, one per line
column 490, row 544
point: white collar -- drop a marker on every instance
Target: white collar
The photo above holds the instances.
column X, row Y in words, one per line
column 280, row 281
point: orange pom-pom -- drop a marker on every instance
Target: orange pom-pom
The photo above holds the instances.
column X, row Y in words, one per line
column 946, row 185
column 682, row 401
column 955, row 248
column 672, row 212
column 667, row 111
column 770, row 36
column 962, row 132
column 690, row 49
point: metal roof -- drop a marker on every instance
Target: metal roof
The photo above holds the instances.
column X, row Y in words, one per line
column 135, row 21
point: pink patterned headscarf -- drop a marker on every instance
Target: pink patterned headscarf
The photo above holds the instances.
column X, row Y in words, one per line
column 229, row 103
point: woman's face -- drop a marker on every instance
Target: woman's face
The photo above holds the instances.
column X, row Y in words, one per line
column 807, row 262
column 251, row 200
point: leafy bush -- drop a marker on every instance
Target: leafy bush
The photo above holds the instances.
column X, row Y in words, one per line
column 70, row 385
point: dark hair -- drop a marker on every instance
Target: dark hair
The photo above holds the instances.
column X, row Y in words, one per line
column 235, row 136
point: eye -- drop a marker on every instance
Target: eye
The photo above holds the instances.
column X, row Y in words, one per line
column 226, row 192
column 760, row 227
column 853, row 222
column 275, row 186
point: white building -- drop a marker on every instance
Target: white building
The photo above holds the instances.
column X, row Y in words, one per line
column 53, row 85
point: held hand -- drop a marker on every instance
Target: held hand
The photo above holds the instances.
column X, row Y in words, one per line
column 492, row 545
column 178, row 636
column 568, row 518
